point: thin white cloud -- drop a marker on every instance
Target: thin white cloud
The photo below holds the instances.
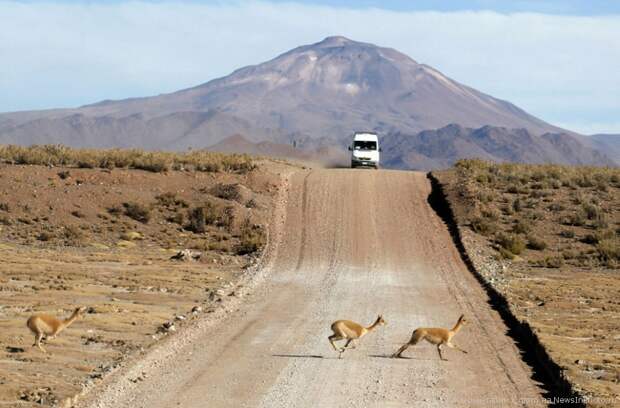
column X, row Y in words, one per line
column 561, row 68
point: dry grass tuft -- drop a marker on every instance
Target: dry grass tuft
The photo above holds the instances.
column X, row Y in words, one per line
column 137, row 211
column 59, row 155
column 541, row 211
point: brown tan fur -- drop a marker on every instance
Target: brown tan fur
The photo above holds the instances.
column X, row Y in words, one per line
column 350, row 331
column 44, row 325
column 436, row 336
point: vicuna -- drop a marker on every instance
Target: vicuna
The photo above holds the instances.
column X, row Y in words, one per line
column 350, row 331
column 436, row 336
column 44, row 325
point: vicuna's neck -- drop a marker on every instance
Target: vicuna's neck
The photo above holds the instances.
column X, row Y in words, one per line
column 372, row 326
column 66, row 322
column 457, row 326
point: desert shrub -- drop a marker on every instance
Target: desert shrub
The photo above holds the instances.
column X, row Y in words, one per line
column 539, row 193
column 591, row 239
column 215, row 215
column 490, row 214
column 45, row 236
column 177, row 218
column 77, row 214
column 556, row 207
column 137, row 211
column 73, row 235
column 516, row 205
column 598, row 236
column 583, row 180
column 4, row 220
column 567, row 234
column 251, row 239
column 591, row 211
column 170, row 200
column 222, row 246
column 251, row 203
column 64, row 174
column 482, row 226
column 210, row 214
column 600, row 223
column 196, row 220
column 86, row 161
column 513, row 243
column 506, row 254
column 521, row 227
column 482, row 178
column 602, row 186
column 578, row 218
column 166, row 199
column 569, row 254
column 58, row 155
column 226, row 191
column 555, row 184
column 549, row 262
column 155, row 162
column 5, row 207
column 538, row 175
column 115, row 210
column 609, row 250
column 536, row 243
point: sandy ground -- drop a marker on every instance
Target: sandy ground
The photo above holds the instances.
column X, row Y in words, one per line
column 349, row 244
column 131, row 288
column 573, row 307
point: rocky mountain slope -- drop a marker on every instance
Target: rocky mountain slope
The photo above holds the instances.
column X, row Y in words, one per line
column 439, row 148
column 314, row 95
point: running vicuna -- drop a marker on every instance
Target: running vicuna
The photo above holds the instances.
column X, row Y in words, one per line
column 43, row 325
column 350, row 331
column 436, row 336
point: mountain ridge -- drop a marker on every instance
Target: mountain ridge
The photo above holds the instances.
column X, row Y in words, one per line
column 315, row 95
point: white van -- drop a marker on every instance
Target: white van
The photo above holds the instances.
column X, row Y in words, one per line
column 365, row 150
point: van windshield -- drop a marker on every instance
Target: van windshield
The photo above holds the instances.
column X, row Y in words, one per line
column 364, row 145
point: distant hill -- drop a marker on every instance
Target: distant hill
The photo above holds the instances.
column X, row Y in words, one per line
column 432, row 149
column 608, row 143
column 314, row 96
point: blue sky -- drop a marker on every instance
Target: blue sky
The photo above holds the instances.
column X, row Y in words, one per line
column 556, row 59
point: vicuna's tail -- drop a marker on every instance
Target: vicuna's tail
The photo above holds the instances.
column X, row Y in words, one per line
column 416, row 336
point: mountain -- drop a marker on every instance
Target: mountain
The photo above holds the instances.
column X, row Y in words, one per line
column 314, row 95
column 608, row 143
column 439, row 148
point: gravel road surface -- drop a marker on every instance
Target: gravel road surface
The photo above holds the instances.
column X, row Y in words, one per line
column 350, row 244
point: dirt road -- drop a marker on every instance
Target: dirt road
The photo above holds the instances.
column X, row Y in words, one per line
column 353, row 244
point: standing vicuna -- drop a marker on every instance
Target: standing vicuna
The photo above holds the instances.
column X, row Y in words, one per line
column 436, row 336
column 350, row 331
column 44, row 325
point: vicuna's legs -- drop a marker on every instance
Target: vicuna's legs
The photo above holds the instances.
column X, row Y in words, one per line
column 332, row 339
column 439, row 351
column 415, row 338
column 401, row 350
column 37, row 342
column 351, row 342
column 454, row 346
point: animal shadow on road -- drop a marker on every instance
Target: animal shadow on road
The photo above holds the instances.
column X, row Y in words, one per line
column 399, row 358
column 297, row 355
